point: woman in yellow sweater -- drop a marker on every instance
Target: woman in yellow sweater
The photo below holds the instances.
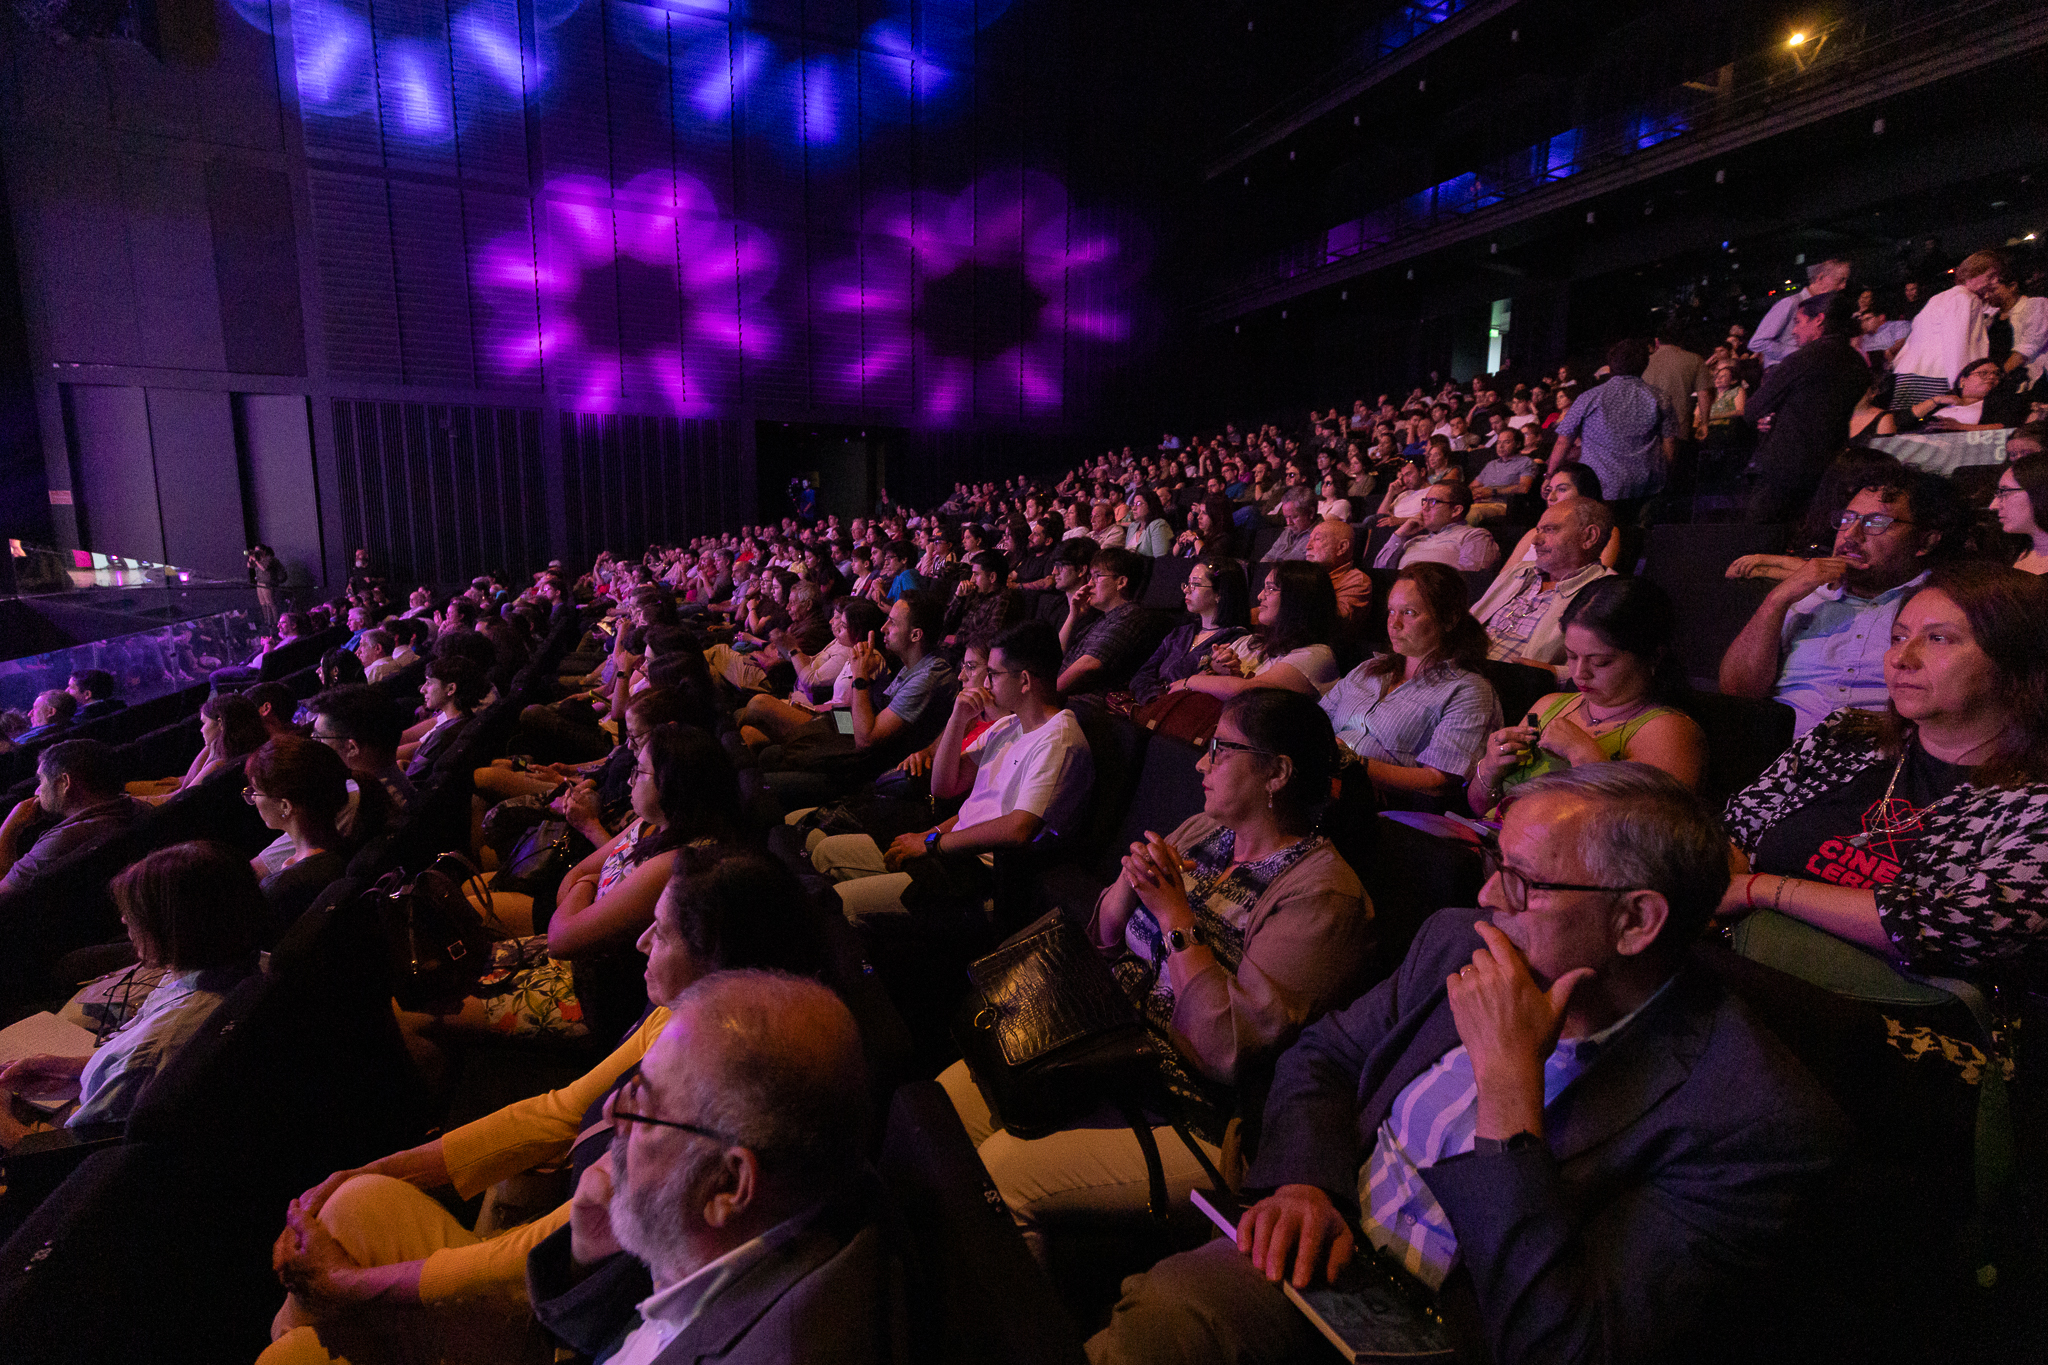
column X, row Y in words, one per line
column 379, row 1271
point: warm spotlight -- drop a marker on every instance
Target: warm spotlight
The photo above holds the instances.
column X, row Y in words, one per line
column 1796, row 40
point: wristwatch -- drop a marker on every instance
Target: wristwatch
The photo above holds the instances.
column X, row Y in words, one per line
column 1517, row 1142
column 862, row 684
column 931, row 840
column 1177, row 942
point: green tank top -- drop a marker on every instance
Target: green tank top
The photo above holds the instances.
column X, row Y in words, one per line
column 1613, row 745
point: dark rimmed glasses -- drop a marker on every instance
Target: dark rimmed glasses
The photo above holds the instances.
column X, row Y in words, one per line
column 1515, row 888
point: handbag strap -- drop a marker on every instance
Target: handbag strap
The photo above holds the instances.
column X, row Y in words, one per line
column 1155, row 1170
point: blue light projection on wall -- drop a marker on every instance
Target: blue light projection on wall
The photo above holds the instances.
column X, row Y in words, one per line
column 347, row 49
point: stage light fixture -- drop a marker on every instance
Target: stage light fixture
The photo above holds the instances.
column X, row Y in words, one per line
column 1796, row 40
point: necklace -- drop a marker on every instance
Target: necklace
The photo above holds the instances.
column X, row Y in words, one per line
column 1889, row 818
column 1889, row 821
column 1586, row 705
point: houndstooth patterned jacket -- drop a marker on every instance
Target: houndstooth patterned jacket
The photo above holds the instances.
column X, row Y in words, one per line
column 1973, row 890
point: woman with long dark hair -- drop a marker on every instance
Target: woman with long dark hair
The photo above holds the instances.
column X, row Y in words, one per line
column 685, row 792
column 2020, row 502
column 1295, row 613
column 1919, row 834
column 1215, row 595
column 1627, row 704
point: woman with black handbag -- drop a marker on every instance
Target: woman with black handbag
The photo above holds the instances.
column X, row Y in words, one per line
column 684, row 792
column 1227, row 936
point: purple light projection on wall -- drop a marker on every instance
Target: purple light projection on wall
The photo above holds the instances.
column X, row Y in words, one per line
column 979, row 298
column 641, row 291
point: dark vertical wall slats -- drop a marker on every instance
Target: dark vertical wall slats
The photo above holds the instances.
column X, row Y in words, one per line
column 439, row 492
column 630, row 481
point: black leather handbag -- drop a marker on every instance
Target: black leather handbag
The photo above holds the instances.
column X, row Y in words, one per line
column 1048, row 1034
column 436, row 942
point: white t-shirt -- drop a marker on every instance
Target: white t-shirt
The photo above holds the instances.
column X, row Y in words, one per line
column 1045, row 772
column 1314, row 662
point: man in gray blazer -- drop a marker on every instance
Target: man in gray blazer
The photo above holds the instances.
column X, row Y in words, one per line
column 1581, row 1144
column 735, row 1219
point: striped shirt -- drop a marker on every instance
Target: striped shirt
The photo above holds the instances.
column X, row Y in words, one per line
column 1438, row 720
column 1434, row 1117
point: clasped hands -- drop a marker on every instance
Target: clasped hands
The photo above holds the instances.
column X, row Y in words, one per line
column 1155, row 870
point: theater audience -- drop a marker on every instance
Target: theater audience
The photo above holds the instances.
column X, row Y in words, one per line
column 1578, row 1145
column 1817, row 641
column 2020, row 503
column 1972, row 405
column 78, row 787
column 1629, row 688
column 1332, row 545
column 1102, row 655
column 1296, row 611
column 1418, row 714
column 1147, row 533
column 1623, row 430
column 1918, row 832
column 1509, row 475
column 375, row 652
column 1298, row 521
column 340, row 668
column 365, row 1246
column 1804, row 405
column 1439, row 535
column 1216, row 596
column 299, row 787
column 1403, row 500
column 49, row 715
column 230, row 729
column 1948, row 332
column 769, row 1069
column 1523, row 612
column 560, row 982
column 1572, row 481
column 1773, row 340
column 453, row 689
column 1228, row 934
column 93, row 690
column 1027, row 774
column 191, row 910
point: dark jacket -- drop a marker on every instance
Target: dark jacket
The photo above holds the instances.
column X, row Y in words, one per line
column 1808, row 396
column 822, row 1293
column 1673, row 1171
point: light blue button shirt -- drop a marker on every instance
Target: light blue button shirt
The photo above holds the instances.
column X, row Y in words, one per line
column 1832, row 651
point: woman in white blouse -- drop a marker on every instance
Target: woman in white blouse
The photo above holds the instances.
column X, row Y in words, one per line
column 192, row 910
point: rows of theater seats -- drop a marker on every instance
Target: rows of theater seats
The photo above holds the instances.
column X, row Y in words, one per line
column 164, row 1229
column 161, row 720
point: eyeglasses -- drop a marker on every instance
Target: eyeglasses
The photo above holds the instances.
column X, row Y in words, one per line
column 1219, row 747
column 1874, row 523
column 1515, row 888
column 629, row 1091
column 328, row 738
column 251, row 795
column 2003, row 492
